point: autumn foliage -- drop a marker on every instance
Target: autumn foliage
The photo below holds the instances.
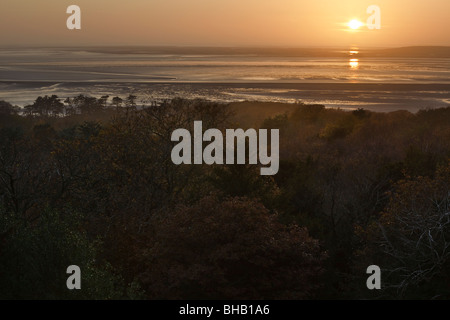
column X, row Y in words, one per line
column 90, row 180
column 232, row 249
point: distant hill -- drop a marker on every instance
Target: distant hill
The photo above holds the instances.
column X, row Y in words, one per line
column 413, row 52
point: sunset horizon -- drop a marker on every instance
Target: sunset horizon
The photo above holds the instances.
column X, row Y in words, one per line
column 232, row 23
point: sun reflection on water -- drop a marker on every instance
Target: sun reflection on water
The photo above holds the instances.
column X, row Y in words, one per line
column 354, row 63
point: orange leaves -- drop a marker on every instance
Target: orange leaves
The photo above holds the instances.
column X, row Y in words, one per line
column 229, row 249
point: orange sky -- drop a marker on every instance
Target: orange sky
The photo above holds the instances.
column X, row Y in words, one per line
column 293, row 23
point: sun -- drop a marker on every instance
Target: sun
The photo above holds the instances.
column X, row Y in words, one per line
column 355, row 24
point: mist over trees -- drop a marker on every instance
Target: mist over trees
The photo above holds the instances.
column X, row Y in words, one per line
column 90, row 181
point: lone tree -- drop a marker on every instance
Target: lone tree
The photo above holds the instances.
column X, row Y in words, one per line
column 131, row 101
column 117, row 102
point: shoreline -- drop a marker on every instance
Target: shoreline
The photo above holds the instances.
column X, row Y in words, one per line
column 231, row 84
column 378, row 97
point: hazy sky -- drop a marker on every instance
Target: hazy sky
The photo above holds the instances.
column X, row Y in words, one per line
column 293, row 23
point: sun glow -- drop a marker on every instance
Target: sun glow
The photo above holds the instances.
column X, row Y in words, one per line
column 355, row 24
column 354, row 63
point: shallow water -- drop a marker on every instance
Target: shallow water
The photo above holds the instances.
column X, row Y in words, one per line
column 28, row 73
